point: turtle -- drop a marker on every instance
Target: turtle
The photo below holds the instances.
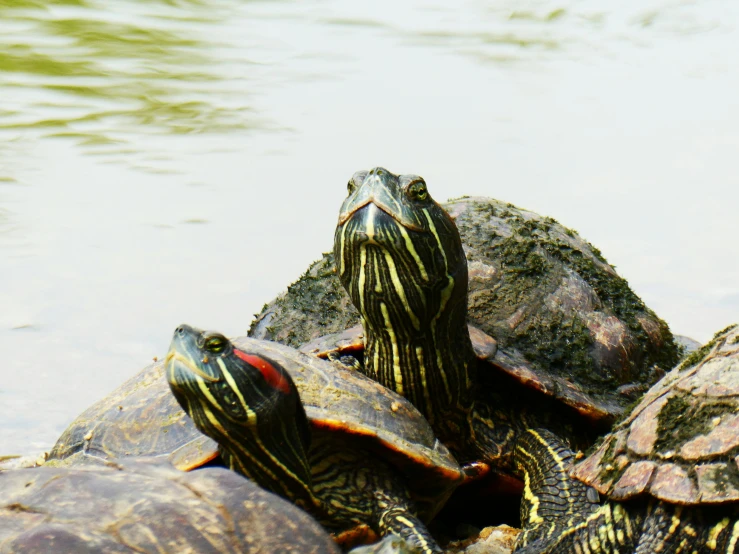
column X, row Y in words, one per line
column 668, row 470
column 143, row 418
column 141, row 505
column 248, row 402
column 566, row 326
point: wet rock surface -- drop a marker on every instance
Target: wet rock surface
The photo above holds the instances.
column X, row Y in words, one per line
column 491, row 540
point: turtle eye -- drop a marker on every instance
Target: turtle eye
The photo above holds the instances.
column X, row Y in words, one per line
column 417, row 191
column 215, row 344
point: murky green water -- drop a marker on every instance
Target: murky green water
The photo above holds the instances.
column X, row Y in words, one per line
column 184, row 160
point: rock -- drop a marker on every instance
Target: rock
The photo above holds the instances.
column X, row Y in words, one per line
column 686, row 344
column 19, row 462
column 491, row 540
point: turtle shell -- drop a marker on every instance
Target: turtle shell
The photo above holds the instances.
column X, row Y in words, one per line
column 140, row 506
column 681, row 442
column 139, row 418
column 142, row 418
column 564, row 321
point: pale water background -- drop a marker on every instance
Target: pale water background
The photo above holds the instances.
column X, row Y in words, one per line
column 173, row 161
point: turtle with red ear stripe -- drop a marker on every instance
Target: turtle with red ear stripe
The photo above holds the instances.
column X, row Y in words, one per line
column 142, row 418
column 348, row 461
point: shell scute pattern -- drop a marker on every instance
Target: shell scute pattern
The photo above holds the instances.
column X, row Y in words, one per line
column 681, row 443
column 329, row 391
column 138, row 419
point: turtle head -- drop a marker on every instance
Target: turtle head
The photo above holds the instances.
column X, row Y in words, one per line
column 242, row 388
column 404, row 198
column 400, row 257
column 395, row 245
column 244, row 401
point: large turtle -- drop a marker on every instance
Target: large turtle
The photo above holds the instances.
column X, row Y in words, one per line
column 139, row 506
column 567, row 326
column 142, row 418
column 669, row 470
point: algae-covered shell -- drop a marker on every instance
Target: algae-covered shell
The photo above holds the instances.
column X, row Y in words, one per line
column 142, row 418
column 140, row 506
column 681, row 442
column 564, row 321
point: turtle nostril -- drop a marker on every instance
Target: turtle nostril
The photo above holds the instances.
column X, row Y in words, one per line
column 180, row 330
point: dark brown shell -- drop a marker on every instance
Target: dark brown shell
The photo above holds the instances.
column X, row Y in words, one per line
column 139, row 418
column 142, row 418
column 486, row 348
column 563, row 319
column 681, row 443
column 140, row 506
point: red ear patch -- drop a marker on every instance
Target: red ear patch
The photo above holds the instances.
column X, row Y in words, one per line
column 273, row 377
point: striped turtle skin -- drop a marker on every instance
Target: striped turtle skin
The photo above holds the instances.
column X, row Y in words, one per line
column 669, row 470
column 339, row 470
column 146, row 506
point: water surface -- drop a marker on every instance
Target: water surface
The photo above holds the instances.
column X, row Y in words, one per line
column 170, row 161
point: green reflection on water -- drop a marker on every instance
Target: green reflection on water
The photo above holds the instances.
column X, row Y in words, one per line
column 40, row 4
column 103, row 74
column 531, row 16
column 116, row 40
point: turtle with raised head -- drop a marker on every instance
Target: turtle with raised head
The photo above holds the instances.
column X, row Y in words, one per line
column 143, row 418
column 148, row 507
column 575, row 344
column 668, row 470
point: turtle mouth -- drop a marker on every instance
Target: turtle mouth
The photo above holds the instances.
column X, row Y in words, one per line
column 374, row 224
column 174, row 356
column 381, row 207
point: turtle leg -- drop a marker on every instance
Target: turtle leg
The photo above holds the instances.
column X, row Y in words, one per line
column 561, row 515
column 644, row 528
column 491, row 434
column 397, row 517
column 611, row 529
column 673, row 529
column 360, row 488
column 552, row 501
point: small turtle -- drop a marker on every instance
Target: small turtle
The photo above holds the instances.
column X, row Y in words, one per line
column 143, row 418
column 669, row 470
column 249, row 404
column 568, row 326
column 139, row 506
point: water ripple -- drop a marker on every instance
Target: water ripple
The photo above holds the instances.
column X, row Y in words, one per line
column 102, row 76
